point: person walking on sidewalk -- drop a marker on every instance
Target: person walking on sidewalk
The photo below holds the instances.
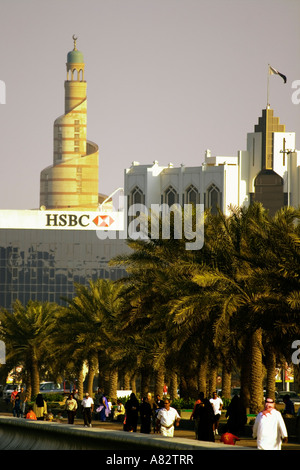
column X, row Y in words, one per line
column 40, row 407
column 71, row 407
column 217, row 405
column 87, row 409
column 269, row 428
column 237, row 416
column 167, row 418
column 205, row 418
column 23, row 398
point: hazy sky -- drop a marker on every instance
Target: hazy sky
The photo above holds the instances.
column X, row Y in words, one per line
column 166, row 80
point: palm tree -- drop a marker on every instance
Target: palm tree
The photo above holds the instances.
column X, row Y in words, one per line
column 214, row 283
column 221, row 300
column 26, row 334
column 152, row 266
column 91, row 321
column 139, row 341
column 265, row 257
column 280, row 313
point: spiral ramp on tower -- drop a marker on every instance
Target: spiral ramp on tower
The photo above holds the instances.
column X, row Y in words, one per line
column 71, row 182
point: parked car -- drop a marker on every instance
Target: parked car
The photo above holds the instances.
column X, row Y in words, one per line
column 295, row 398
column 8, row 389
column 51, row 387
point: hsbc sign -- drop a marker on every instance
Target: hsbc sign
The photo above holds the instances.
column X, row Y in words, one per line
column 84, row 220
column 132, row 222
column 39, row 219
column 64, row 220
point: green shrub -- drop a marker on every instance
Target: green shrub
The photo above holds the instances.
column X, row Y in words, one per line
column 51, row 397
column 188, row 403
column 183, row 403
column 226, row 402
column 123, row 400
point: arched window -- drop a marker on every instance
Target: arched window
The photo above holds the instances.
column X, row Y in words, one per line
column 192, row 195
column 170, row 196
column 137, row 196
column 214, row 198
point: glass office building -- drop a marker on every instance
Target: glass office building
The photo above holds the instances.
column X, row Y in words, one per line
column 44, row 264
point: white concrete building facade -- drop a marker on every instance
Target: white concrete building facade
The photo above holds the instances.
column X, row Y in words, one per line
column 267, row 171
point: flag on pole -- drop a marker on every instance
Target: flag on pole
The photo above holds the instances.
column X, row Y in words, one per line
column 273, row 71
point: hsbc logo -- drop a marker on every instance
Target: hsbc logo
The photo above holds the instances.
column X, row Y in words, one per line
column 71, row 220
column 103, row 221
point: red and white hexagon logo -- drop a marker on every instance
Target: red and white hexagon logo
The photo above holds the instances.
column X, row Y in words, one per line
column 103, row 220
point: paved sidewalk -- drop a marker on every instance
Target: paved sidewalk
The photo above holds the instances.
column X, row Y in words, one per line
column 244, row 441
column 179, row 433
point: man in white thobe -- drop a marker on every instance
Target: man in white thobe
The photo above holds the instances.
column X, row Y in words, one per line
column 269, row 428
column 167, row 418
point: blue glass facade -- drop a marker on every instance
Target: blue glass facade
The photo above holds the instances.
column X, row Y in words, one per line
column 43, row 265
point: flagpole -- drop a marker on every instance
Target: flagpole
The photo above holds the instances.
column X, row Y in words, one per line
column 268, row 104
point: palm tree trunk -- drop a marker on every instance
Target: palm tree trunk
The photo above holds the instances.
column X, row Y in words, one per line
column 226, row 380
column 159, row 382
column 126, row 381
column 91, row 375
column 80, row 382
column 113, row 385
column 103, row 376
column 133, row 383
column 173, row 385
column 145, row 381
column 245, row 377
column 271, row 367
column 256, row 387
column 212, row 381
column 106, row 381
column 27, row 380
column 202, row 378
column 35, row 375
column 28, row 391
column 90, row 381
column 183, row 387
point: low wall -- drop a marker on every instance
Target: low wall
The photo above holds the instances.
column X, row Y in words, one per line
column 22, row 434
column 293, row 428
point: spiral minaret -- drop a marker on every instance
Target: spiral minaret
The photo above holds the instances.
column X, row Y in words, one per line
column 71, row 183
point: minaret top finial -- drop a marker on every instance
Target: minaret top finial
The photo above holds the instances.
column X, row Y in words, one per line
column 75, row 56
column 74, row 39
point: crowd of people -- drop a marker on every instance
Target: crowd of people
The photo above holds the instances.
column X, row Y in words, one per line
column 158, row 416
column 269, row 428
column 155, row 415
